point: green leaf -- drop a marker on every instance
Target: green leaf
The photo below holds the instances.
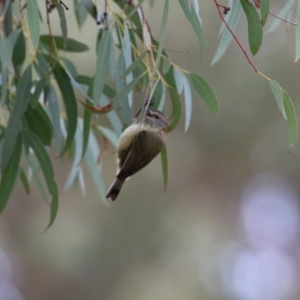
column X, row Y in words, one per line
column 264, row 10
column 255, row 32
column 177, row 110
column 32, row 141
column 109, row 134
column 39, row 123
column 291, row 117
column 63, row 23
column 37, row 92
column 69, row 100
column 205, row 92
column 4, row 86
column 76, row 168
column 102, row 65
column 193, row 18
column 281, row 15
column 277, row 92
column 134, row 65
column 164, row 164
column 175, row 99
column 163, row 31
column 124, row 92
column 226, row 37
column 80, row 12
column 10, row 173
column 19, row 52
column 297, row 52
column 91, row 158
column 33, row 21
column 188, row 102
column 6, row 51
column 14, row 123
column 87, row 118
column 54, row 113
column 25, row 181
column 71, row 44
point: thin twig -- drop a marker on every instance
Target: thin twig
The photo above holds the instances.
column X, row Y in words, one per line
column 235, row 37
column 284, row 20
column 274, row 15
column 52, row 44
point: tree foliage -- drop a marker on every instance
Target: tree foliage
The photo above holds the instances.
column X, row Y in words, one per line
column 38, row 106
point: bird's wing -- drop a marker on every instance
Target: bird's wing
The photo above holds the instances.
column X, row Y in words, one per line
column 136, row 158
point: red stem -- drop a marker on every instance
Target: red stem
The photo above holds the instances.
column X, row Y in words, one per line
column 234, row 36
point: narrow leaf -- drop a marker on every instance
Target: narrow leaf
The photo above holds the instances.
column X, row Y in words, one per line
column 54, row 114
column 205, row 92
column 188, row 102
column 134, row 65
column 71, row 44
column 32, row 141
column 192, row 17
column 255, row 32
column 291, row 117
column 226, row 37
column 297, row 52
column 163, row 31
column 102, row 65
column 10, row 173
column 14, row 123
column 277, row 92
column 19, row 52
column 264, row 10
column 6, row 51
column 25, row 181
column 69, row 100
column 177, row 110
column 164, row 164
column 281, row 15
column 39, row 123
column 33, row 21
column 63, row 23
column 124, row 92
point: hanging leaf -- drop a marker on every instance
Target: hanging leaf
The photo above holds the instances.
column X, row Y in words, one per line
column 10, row 173
column 205, row 92
column 193, row 18
column 33, row 21
column 39, row 123
column 103, row 53
column 255, row 32
column 281, row 15
column 297, row 52
column 14, row 123
column 277, row 92
column 163, row 31
column 71, row 44
column 291, row 117
column 69, row 100
column 264, row 10
column 63, row 23
column 164, row 164
column 32, row 141
column 6, row 51
column 226, row 36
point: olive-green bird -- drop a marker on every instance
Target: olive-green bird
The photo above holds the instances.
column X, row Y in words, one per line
column 138, row 145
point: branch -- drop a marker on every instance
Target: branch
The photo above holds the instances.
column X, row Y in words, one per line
column 226, row 9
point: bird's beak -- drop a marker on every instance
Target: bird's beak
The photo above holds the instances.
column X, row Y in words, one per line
column 148, row 113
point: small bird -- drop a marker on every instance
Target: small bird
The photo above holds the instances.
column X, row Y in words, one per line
column 138, row 145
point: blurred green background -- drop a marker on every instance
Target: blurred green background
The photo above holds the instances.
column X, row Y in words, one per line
column 227, row 226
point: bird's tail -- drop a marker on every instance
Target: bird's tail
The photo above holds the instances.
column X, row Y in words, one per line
column 115, row 188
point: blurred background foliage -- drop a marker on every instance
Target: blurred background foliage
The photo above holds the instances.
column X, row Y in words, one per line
column 227, row 226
